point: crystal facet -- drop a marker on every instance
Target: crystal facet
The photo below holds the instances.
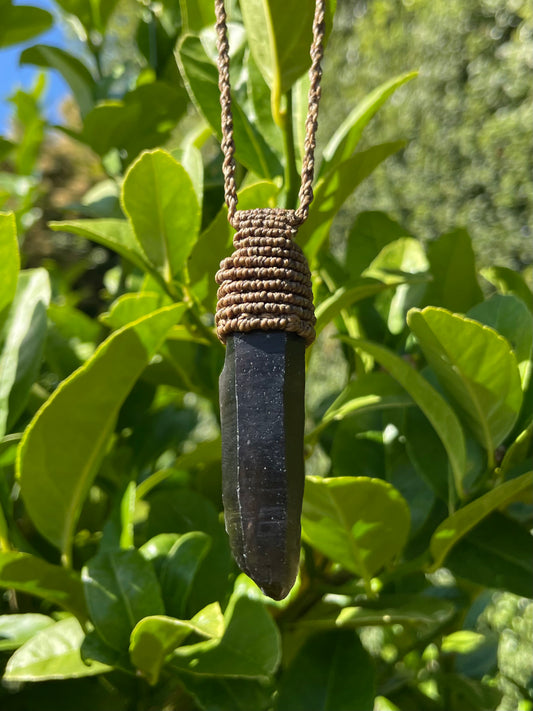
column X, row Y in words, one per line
column 262, row 420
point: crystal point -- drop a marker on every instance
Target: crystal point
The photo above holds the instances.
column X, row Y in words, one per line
column 262, row 421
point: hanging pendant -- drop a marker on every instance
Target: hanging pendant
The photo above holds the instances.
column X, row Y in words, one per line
column 265, row 316
column 262, row 416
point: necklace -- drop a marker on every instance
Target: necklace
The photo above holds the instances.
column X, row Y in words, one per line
column 265, row 317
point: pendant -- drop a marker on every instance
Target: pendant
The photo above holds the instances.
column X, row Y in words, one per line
column 262, row 416
column 266, row 319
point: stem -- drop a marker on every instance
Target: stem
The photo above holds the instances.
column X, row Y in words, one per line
column 291, row 172
column 207, row 332
column 95, row 51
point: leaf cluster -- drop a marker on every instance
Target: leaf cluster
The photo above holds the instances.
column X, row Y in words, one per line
column 120, row 590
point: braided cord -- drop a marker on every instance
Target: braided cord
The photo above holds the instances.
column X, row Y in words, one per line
column 311, row 124
column 228, row 144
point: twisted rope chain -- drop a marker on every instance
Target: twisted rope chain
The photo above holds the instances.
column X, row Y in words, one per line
column 266, row 283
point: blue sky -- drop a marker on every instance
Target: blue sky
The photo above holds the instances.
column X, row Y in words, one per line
column 13, row 76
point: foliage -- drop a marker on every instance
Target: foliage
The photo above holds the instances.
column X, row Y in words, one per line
column 468, row 116
column 120, row 590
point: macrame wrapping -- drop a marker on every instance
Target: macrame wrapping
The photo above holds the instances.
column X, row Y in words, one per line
column 265, row 284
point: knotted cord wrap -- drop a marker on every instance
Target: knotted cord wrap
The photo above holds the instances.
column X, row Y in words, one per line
column 266, row 283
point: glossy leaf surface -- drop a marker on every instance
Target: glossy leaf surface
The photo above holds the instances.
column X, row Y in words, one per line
column 433, row 405
column 53, row 653
column 9, row 261
column 249, row 647
column 477, row 369
column 159, row 198
column 359, row 522
column 24, row 334
column 109, row 232
column 65, row 443
column 34, row 576
column 121, row 589
column 332, row 672
column 456, row 526
column 155, row 637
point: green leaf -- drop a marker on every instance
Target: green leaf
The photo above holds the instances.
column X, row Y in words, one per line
column 183, row 510
column 477, row 369
column 472, row 694
column 93, row 14
column 401, row 610
column 495, row 554
column 452, row 529
column 359, row 522
column 226, row 694
column 455, row 285
column 94, row 648
column 331, row 672
column 22, row 22
column 197, row 14
column 157, row 548
column 259, row 95
column 373, row 391
column 115, row 234
column 462, row 642
column 212, row 246
column 15, row 629
column 179, row 570
column 74, row 324
column 9, row 261
column 279, row 45
column 53, row 653
column 400, row 256
column 28, row 574
column 381, row 703
column 144, row 118
column 334, row 188
column 190, row 157
column 507, row 281
column 426, row 452
column 121, row 588
column 346, row 296
column 159, row 199
column 518, row 451
column 130, row 307
column 205, row 453
column 155, row 637
column 25, row 332
column 432, row 404
column 201, row 78
column 250, row 646
column 5, row 148
column 74, row 72
column 508, row 315
column 370, row 233
column 351, row 445
column 64, row 444
column 345, row 139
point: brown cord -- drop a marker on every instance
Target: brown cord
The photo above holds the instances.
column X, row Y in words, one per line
column 266, row 283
